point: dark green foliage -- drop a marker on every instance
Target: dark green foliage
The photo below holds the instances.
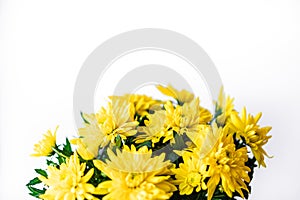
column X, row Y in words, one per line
column 146, row 143
column 31, row 185
column 67, row 149
column 34, row 181
column 41, row 172
column 36, row 192
column 51, row 163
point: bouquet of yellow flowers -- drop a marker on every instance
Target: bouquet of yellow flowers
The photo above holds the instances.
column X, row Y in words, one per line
column 140, row 148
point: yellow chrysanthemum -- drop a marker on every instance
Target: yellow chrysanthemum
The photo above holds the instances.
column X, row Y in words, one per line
column 182, row 96
column 227, row 164
column 103, row 127
column 135, row 175
column 82, row 149
column 190, row 175
column 225, row 104
column 246, row 126
column 202, row 141
column 45, row 146
column 154, row 129
column 185, row 96
column 197, row 159
column 143, row 103
column 205, row 115
column 68, row 182
column 182, row 119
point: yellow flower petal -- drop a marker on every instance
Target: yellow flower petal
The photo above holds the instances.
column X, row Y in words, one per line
column 44, row 147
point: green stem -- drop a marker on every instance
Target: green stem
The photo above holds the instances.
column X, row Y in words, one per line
column 59, row 153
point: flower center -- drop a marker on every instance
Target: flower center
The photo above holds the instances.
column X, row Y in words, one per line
column 193, row 179
column 134, row 179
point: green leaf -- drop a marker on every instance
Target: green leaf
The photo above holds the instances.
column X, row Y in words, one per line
column 147, row 143
column 41, row 172
column 67, row 149
column 34, row 181
column 36, row 192
column 118, row 141
column 51, row 163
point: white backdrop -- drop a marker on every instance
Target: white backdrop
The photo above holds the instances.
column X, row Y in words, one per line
column 255, row 46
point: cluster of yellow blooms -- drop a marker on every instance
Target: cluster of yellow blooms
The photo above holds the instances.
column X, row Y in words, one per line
column 213, row 158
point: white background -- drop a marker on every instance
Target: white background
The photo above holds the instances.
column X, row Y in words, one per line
column 254, row 44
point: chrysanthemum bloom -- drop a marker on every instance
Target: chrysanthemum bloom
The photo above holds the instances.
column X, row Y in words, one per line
column 82, row 149
column 182, row 119
column 225, row 105
column 154, row 129
column 182, row 96
column 161, row 124
column 69, row 181
column 46, row 145
column 103, row 127
column 135, row 175
column 256, row 137
column 205, row 115
column 190, row 175
column 142, row 103
column 227, row 164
